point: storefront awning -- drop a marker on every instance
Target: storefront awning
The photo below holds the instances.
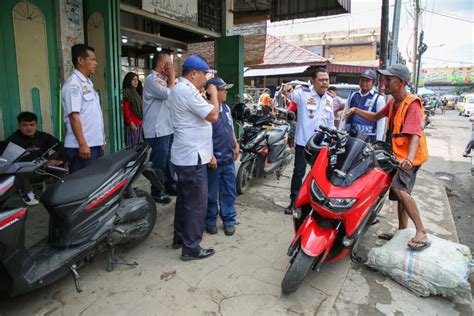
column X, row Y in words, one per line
column 275, row 71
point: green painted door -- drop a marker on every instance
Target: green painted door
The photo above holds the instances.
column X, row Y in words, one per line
column 28, row 64
column 102, row 31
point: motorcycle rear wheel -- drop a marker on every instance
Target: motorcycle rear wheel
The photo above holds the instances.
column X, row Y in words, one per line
column 296, row 272
column 243, row 177
column 150, row 218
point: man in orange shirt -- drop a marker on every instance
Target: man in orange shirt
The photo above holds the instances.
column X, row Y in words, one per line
column 265, row 101
column 407, row 139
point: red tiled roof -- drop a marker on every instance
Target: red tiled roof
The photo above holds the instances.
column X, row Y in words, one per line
column 279, row 52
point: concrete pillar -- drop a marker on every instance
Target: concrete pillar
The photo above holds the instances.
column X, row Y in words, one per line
column 70, row 29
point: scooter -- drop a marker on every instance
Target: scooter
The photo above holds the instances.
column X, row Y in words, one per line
column 265, row 150
column 91, row 211
column 338, row 201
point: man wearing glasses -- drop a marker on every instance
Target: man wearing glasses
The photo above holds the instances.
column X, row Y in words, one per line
column 315, row 108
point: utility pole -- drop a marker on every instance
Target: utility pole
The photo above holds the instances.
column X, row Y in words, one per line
column 395, row 32
column 384, row 36
column 421, row 50
column 415, row 40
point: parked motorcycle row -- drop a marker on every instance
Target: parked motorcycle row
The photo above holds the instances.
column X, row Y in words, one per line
column 97, row 209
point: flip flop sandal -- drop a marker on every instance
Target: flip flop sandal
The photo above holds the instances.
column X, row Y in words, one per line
column 385, row 236
column 424, row 244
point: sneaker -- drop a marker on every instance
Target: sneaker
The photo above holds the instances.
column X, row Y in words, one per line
column 229, row 230
column 289, row 210
column 161, row 198
column 29, row 199
column 465, row 154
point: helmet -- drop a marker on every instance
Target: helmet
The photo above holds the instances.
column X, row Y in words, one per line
column 240, row 112
column 313, row 147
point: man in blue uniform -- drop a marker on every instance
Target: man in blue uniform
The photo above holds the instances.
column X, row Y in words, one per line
column 368, row 100
column 221, row 169
column 191, row 151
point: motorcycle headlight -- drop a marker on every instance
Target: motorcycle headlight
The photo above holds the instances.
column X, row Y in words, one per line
column 336, row 205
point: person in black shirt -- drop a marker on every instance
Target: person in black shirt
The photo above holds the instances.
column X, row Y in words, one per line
column 36, row 144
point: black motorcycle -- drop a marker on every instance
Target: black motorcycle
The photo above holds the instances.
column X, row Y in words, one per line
column 91, row 211
column 265, row 150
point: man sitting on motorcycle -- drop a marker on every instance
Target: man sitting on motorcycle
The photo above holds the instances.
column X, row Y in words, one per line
column 407, row 139
column 36, row 144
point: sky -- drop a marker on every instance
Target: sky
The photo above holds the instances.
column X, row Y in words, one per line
column 450, row 40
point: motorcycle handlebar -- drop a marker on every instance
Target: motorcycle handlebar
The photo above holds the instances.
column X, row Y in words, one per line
column 56, row 169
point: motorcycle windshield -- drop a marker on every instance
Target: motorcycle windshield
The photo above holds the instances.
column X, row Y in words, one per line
column 353, row 163
column 11, row 154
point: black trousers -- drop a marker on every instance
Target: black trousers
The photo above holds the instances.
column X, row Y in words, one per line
column 191, row 207
column 298, row 172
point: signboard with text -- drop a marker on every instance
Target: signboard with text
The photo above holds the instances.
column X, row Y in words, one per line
column 448, row 75
column 180, row 10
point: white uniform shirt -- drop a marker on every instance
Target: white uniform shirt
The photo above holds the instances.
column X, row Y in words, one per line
column 192, row 133
column 156, row 111
column 381, row 124
column 313, row 111
column 78, row 95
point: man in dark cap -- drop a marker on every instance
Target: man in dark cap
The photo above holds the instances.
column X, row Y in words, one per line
column 408, row 142
column 368, row 100
column 221, row 169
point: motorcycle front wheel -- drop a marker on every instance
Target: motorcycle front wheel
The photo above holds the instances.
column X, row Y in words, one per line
column 296, row 272
column 244, row 176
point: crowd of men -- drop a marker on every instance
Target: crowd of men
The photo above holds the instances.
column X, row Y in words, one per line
column 190, row 131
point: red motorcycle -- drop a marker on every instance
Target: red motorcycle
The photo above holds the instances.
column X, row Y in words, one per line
column 338, row 201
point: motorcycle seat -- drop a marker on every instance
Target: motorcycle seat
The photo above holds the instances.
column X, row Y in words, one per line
column 79, row 185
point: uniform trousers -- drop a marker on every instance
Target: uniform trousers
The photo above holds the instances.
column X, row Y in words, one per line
column 298, row 172
column 222, row 187
column 160, row 158
column 191, row 207
column 76, row 163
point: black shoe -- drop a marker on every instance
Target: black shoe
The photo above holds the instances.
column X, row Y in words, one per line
column 289, row 210
column 229, row 230
column 162, row 198
column 211, row 230
column 171, row 190
column 203, row 254
column 177, row 244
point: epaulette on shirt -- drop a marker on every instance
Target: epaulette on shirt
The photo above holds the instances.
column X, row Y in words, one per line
column 306, row 89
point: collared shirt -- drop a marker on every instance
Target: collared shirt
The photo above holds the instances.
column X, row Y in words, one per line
column 156, row 111
column 313, row 111
column 192, row 133
column 78, row 95
column 367, row 98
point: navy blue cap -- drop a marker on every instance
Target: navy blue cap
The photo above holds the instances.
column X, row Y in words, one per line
column 219, row 83
column 196, row 62
column 369, row 74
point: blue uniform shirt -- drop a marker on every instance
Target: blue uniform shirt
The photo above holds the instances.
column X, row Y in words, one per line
column 223, row 136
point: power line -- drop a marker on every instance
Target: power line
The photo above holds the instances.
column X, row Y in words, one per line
column 455, row 17
column 449, row 61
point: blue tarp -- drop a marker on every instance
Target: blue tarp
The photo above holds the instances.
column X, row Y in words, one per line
column 424, row 91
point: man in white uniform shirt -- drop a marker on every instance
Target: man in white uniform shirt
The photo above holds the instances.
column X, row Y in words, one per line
column 191, row 151
column 85, row 138
column 314, row 109
column 157, row 127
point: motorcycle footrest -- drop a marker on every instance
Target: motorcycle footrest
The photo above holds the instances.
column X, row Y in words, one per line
column 77, row 278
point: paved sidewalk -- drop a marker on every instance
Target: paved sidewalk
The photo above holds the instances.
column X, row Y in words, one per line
column 244, row 276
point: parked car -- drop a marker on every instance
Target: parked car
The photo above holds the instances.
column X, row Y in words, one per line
column 468, row 105
column 344, row 90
